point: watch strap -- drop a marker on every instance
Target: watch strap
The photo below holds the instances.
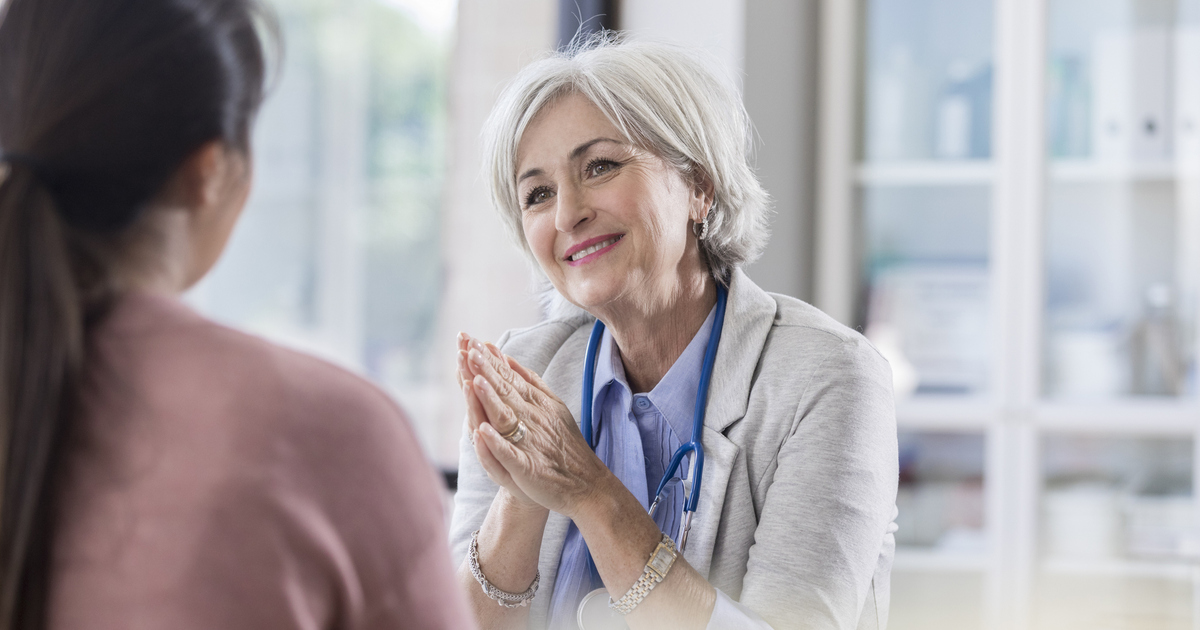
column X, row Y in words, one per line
column 657, row 566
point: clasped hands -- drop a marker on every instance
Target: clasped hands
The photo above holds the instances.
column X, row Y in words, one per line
column 551, row 466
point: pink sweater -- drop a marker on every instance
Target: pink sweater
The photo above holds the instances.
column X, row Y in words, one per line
column 216, row 481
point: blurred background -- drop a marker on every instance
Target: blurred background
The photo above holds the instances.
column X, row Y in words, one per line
column 1004, row 195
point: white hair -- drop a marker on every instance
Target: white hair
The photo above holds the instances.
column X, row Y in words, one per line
column 664, row 99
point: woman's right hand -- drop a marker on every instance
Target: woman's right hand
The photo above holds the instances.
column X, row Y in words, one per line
column 476, row 416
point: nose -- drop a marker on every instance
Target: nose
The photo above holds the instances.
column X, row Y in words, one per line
column 572, row 210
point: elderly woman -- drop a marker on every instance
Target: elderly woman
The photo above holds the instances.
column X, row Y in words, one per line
column 623, row 170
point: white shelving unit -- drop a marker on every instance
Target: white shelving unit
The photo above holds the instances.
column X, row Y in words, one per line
column 1171, row 570
column 925, row 173
column 1019, row 416
column 909, row 559
column 1093, row 171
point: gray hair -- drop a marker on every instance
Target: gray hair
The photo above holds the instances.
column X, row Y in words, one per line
column 664, row 99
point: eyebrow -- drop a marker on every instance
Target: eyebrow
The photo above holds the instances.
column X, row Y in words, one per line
column 578, row 151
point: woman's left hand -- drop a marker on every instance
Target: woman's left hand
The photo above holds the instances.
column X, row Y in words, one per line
column 552, row 464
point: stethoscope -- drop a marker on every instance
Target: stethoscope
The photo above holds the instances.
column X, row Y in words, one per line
column 593, row 610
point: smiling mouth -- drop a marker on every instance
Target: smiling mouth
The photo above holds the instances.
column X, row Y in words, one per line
column 594, row 248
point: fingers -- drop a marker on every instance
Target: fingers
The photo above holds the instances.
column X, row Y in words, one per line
column 475, row 412
column 504, row 453
column 460, row 372
column 499, row 413
column 487, row 362
column 495, row 471
column 489, row 355
column 465, row 370
column 529, row 375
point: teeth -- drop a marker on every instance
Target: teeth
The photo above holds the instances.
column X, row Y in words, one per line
column 593, row 249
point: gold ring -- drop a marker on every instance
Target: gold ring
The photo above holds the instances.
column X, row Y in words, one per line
column 516, row 434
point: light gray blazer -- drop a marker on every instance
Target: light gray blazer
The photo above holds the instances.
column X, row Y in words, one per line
column 798, row 499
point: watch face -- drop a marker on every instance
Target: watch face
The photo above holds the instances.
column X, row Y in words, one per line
column 662, row 560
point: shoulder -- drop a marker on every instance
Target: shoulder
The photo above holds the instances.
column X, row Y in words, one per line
column 250, row 454
column 812, row 369
column 244, row 395
column 536, row 346
column 334, row 426
column 802, row 332
column 321, row 453
column 289, row 390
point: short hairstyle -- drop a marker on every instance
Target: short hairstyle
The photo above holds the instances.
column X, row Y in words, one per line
column 664, row 99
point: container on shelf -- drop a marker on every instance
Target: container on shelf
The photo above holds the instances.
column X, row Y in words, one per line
column 941, row 494
column 1113, row 504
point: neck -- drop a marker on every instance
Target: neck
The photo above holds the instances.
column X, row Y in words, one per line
column 158, row 256
column 650, row 337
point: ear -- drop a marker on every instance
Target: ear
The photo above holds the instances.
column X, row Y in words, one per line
column 199, row 182
column 703, row 195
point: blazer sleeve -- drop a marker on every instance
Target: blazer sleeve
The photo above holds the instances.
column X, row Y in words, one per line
column 824, row 542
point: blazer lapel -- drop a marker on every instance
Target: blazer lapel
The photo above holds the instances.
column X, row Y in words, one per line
column 749, row 314
column 719, row 456
column 564, row 374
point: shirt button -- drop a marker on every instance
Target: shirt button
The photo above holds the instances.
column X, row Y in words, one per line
column 643, row 402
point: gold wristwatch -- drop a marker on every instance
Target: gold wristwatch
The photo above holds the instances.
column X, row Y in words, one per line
column 660, row 562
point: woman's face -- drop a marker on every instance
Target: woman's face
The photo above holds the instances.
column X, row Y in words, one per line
column 609, row 223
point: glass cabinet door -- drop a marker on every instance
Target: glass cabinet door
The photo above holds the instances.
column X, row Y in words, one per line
column 1123, row 131
column 1116, row 520
column 938, row 579
column 924, row 191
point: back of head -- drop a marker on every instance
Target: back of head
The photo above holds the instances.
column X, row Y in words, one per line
column 101, row 101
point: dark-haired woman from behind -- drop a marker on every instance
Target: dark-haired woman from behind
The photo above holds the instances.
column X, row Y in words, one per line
column 158, row 470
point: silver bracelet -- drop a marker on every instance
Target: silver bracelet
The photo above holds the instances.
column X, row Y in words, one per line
column 656, row 569
column 504, row 598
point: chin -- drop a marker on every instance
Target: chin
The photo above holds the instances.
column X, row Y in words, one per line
column 592, row 294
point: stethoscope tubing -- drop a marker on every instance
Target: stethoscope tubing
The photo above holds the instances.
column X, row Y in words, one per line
column 694, row 446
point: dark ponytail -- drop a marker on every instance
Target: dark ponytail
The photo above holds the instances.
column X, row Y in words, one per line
column 101, row 101
column 41, row 347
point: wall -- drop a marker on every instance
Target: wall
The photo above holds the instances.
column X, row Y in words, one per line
column 769, row 49
column 715, row 26
column 780, row 95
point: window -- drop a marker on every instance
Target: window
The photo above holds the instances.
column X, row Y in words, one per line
column 338, row 252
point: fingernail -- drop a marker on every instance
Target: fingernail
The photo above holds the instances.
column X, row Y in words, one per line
column 462, row 336
column 459, row 359
column 476, row 357
column 477, row 345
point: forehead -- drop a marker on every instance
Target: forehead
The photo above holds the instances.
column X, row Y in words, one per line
column 559, row 128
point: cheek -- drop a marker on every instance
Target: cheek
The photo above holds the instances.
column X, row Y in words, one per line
column 540, row 234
